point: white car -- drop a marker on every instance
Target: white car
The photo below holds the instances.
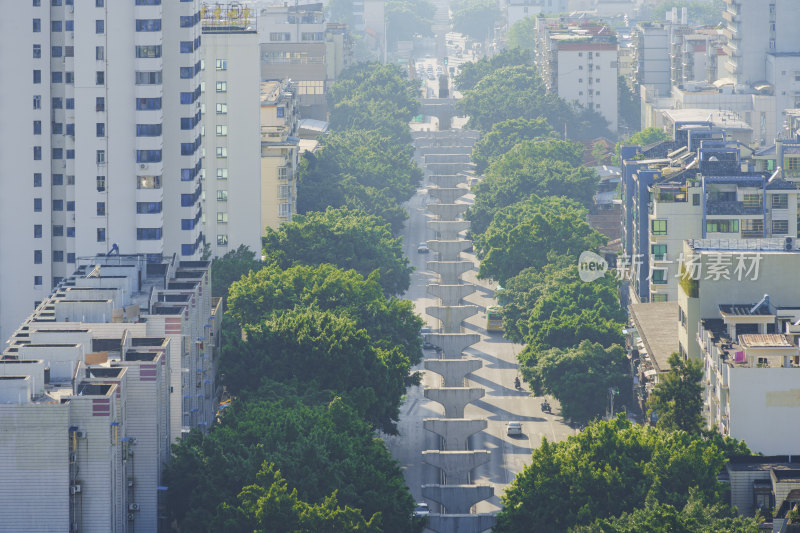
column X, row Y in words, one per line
column 422, row 248
column 421, row 510
column 514, row 428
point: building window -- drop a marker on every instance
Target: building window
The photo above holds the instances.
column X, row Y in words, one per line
column 70, row 258
column 56, row 51
column 37, row 153
column 101, row 183
column 280, row 111
column 186, row 47
column 37, row 51
column 222, row 86
column 101, row 234
column 37, row 205
column 187, row 73
column 148, row 156
column 148, row 24
column 99, row 53
column 222, row 130
column 100, row 103
column 69, row 25
column 222, row 109
column 752, row 227
column 222, row 240
column 69, row 77
column 70, row 154
column 222, row 217
column 751, row 200
column 696, row 199
column 37, row 101
column 58, row 179
column 148, row 104
column 780, row 227
column 659, row 251
column 101, row 209
column 148, row 51
column 55, row 26
column 100, row 128
column 148, row 130
column 222, row 173
column 70, row 231
column 37, row 257
column 101, row 157
column 57, row 127
column 780, row 201
column 148, row 78
column 58, row 205
column 70, row 103
column 99, row 26
column 70, row 205
column 222, row 152
column 148, row 208
column 100, row 77
column 37, row 76
column 148, row 234
column 222, row 64
column 148, row 182
column 658, row 227
column 58, row 256
column 58, row 230
column 37, row 281
column 71, row 129
column 283, row 210
column 659, row 276
column 37, row 179
column 37, row 228
column 37, row 25
column 722, row 226
column 655, row 297
column 222, row 196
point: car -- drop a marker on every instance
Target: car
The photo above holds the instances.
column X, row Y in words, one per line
column 431, row 76
column 422, row 248
column 421, row 510
column 425, row 329
column 514, row 428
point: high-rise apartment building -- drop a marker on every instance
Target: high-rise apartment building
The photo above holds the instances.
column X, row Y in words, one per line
column 231, row 140
column 101, row 139
column 279, row 152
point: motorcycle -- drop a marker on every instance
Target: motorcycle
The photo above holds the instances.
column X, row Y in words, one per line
column 517, row 384
column 545, row 407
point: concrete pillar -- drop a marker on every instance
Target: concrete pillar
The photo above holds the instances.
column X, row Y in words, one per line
column 455, row 432
column 456, row 465
column 454, row 399
column 461, row 523
column 450, row 271
column 450, row 294
column 452, row 316
column 453, row 344
column 448, row 181
column 453, row 370
column 457, row 499
column 448, row 230
column 448, row 211
column 449, row 250
column 449, row 195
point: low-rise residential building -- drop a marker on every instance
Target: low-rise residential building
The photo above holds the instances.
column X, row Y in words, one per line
column 769, row 485
column 578, row 61
column 279, row 152
column 94, row 387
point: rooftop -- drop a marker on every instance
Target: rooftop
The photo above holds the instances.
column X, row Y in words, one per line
column 658, row 328
column 772, row 340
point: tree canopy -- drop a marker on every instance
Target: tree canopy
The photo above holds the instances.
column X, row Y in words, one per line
column 475, row 18
column 505, row 135
column 345, row 238
column 521, row 34
column 321, row 449
column 580, row 378
column 469, row 74
column 677, row 399
column 406, row 18
column 701, row 12
column 231, row 267
column 521, row 236
column 643, row 138
column 608, row 469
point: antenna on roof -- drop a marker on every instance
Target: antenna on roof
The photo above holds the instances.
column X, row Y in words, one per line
column 778, row 172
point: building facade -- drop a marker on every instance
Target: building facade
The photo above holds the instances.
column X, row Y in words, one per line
column 106, row 155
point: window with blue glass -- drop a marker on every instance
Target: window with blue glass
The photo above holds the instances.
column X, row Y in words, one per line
column 101, row 209
column 70, row 154
column 186, row 98
column 148, row 51
column 280, row 111
column 37, row 231
column 71, row 129
column 69, row 77
column 58, row 153
column 188, row 249
column 57, row 127
column 37, row 153
column 58, row 205
column 148, row 104
column 37, row 280
column 187, row 223
column 148, row 130
column 37, row 205
column 69, row 25
column 58, row 179
column 70, row 231
column 55, row 25
column 187, row 72
column 37, row 257
column 101, row 234
column 100, row 129
column 56, row 77
column 148, row 2
column 148, row 234
column 56, row 51
column 37, row 25
column 58, row 230
column 57, row 103
column 148, row 156
column 37, row 127
column 37, row 51
column 58, row 256
column 37, row 76
column 148, row 24
column 71, row 205
column 187, row 47
column 70, row 103
column 37, row 179
column 148, row 208
column 187, row 174
column 70, row 257
column 99, row 26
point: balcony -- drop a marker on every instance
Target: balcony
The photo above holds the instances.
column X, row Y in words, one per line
column 721, row 207
column 274, row 133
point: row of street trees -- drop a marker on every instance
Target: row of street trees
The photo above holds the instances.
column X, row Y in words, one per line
column 317, row 347
column 529, row 225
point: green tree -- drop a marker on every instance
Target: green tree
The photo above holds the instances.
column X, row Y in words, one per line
column 475, row 18
column 345, row 238
column 231, row 267
column 521, row 235
column 607, row 469
column 580, row 378
column 268, row 505
column 390, row 322
column 318, row 448
column 405, row 19
column 695, row 517
column 521, row 34
column 701, row 12
column 505, row 135
column 642, row 138
column 677, row 399
column 469, row 74
column 629, row 104
column 341, row 11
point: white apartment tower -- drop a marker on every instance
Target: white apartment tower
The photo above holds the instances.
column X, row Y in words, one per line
column 101, row 139
column 232, row 135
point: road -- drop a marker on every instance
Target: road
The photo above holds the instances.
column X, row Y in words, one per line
column 501, row 403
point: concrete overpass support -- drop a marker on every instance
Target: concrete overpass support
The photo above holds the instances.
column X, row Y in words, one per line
column 452, row 316
column 456, row 465
column 447, row 196
column 453, row 344
column 449, row 250
column 449, row 271
column 444, row 157
column 448, row 181
column 453, row 370
column 448, row 230
column 461, row 523
column 455, row 432
column 450, row 295
column 457, row 499
column 454, row 399
column 447, row 211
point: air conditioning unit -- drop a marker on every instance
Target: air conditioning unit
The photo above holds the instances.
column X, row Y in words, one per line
column 789, row 243
column 130, row 483
column 75, row 489
column 133, row 506
column 142, row 165
column 131, row 517
column 81, row 434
